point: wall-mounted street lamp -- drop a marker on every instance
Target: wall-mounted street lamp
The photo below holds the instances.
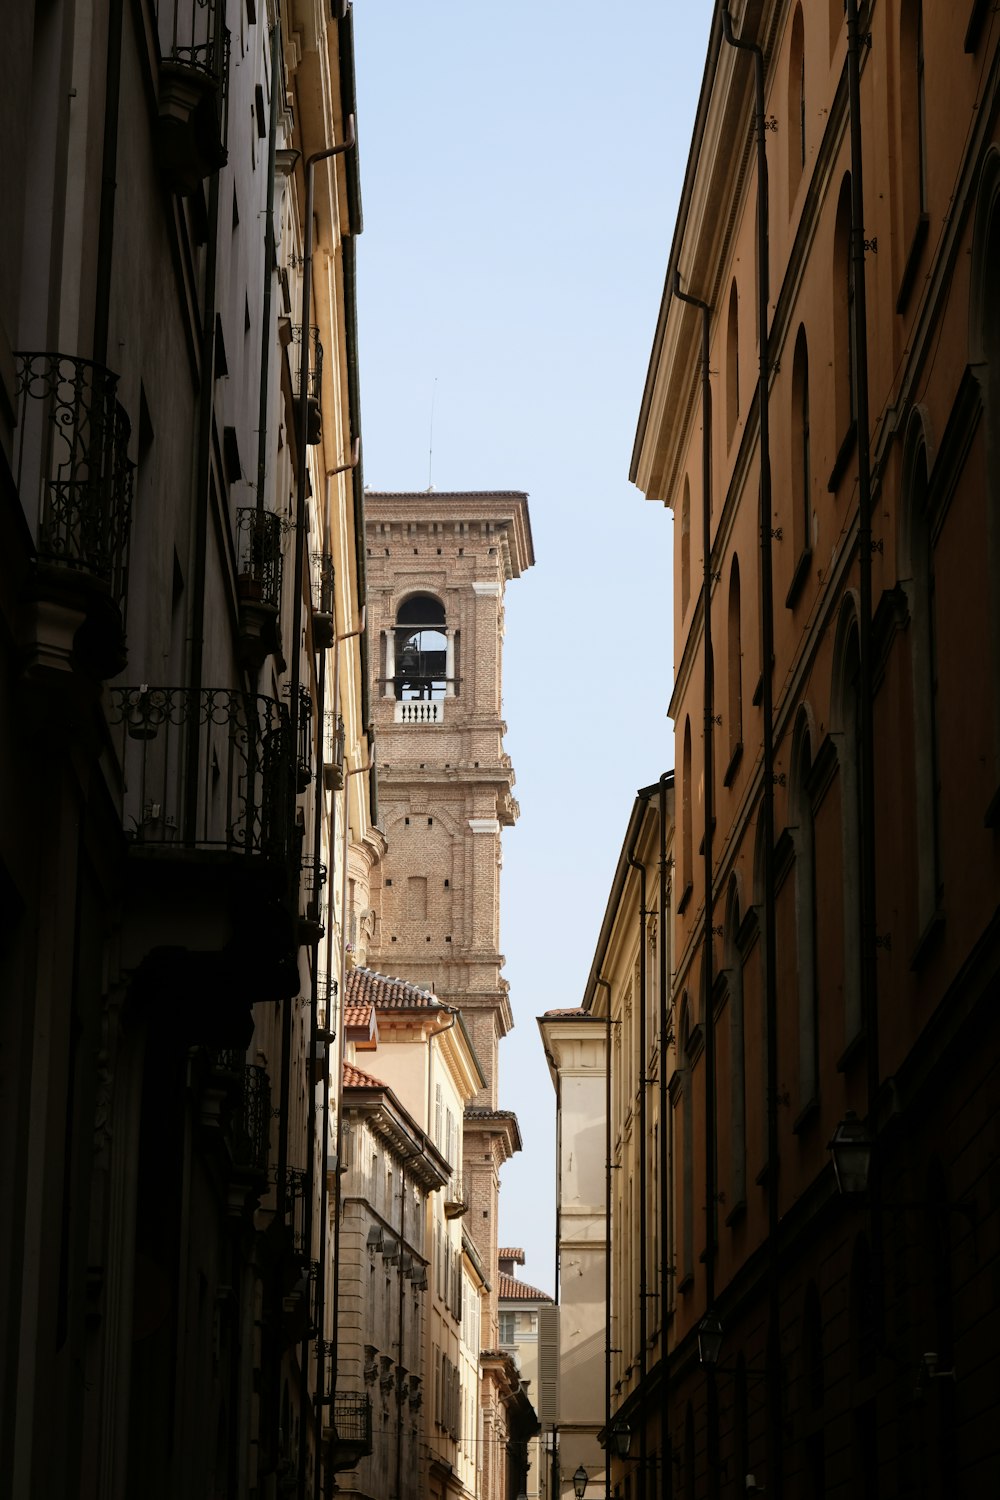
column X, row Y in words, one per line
column 710, row 1340
column 620, row 1438
column 580, row 1483
column 851, row 1149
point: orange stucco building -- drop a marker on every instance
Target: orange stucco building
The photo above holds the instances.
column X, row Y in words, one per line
column 837, row 872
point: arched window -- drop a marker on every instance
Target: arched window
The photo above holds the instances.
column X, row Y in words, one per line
column 796, row 107
column 918, row 581
column 686, row 1038
column 733, row 963
column 685, row 549
column 733, row 363
column 758, row 901
column 803, row 837
column 420, row 650
column 801, row 461
column 913, row 129
column 984, row 360
column 845, row 711
column 735, row 670
column 844, row 351
column 687, row 852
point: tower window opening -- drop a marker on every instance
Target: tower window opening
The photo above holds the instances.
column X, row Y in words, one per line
column 421, row 649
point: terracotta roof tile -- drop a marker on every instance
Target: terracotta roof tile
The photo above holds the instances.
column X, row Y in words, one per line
column 354, row 1078
column 386, row 993
column 515, row 1254
column 357, row 1015
column 571, row 1010
column 519, row 1291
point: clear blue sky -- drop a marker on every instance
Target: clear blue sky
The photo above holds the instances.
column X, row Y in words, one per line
column 520, row 170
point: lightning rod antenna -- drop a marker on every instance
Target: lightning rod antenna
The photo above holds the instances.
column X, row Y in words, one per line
column 430, row 448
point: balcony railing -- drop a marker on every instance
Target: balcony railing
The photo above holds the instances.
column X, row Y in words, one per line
column 314, row 379
column 72, row 469
column 352, row 1429
column 333, row 750
column 456, row 1199
column 258, row 549
column 250, row 1126
column 242, row 799
column 419, row 711
column 192, row 92
column 322, row 600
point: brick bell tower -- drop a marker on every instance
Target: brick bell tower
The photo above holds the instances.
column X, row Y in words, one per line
column 438, row 566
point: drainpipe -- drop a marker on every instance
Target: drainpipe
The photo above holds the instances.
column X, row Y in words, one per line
column 265, row 339
column 772, row 1362
column 296, row 644
column 109, row 171
column 318, row 811
column 666, row 1269
column 335, row 1330
column 707, row 973
column 637, row 864
column 607, row 1245
column 866, row 727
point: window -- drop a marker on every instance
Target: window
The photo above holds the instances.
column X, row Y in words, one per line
column 918, row 566
column 844, row 348
column 845, row 722
column 735, row 666
column 803, row 837
column 685, row 550
column 733, row 363
column 801, row 453
column 687, row 870
column 418, row 652
column 796, row 107
column 733, row 964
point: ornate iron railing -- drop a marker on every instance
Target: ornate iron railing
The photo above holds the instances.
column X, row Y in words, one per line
column 314, row 375
column 333, row 750
column 258, row 552
column 251, row 1122
column 352, row 1421
column 242, row 801
column 191, row 34
column 71, row 466
column 322, row 583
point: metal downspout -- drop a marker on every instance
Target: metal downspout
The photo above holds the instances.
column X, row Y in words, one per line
column 109, row 173
column 707, row 968
column 318, row 811
column 607, row 1244
column 666, row 1270
column 296, row 642
column 775, row 1480
column 641, row 1076
column 265, row 338
column 866, row 726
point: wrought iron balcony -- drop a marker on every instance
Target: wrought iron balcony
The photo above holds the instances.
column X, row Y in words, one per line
column 314, row 380
column 311, row 927
column 241, row 799
column 250, row 1126
column 323, row 623
column 351, row 1438
column 333, row 751
column 456, row 1198
column 258, row 583
column 258, row 548
column 192, row 92
column 74, row 478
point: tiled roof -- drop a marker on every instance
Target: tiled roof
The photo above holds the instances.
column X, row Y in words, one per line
column 357, row 1015
column 516, row 1254
column 572, row 1010
column 385, row 993
column 354, row 1078
column 479, row 1112
column 519, row 1291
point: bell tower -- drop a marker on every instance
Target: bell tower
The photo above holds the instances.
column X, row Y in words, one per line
column 438, row 566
